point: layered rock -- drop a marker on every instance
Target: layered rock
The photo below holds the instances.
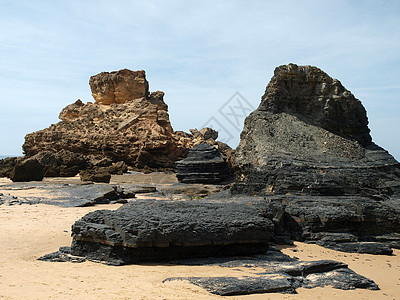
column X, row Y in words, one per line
column 310, row 136
column 145, row 230
column 119, row 86
column 125, row 124
column 308, row 147
column 6, row 166
column 204, row 164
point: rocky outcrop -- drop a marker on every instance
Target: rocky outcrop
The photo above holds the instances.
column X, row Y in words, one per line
column 146, row 230
column 125, row 124
column 310, row 136
column 119, row 87
column 204, row 164
column 282, row 275
column 27, row 169
column 61, row 164
column 6, row 166
column 308, row 148
column 63, row 194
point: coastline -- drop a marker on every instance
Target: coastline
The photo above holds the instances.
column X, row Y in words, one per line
column 30, row 231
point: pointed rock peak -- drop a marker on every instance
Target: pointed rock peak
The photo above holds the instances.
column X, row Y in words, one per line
column 314, row 97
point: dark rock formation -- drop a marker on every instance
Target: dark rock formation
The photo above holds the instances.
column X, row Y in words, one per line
column 27, row 169
column 309, row 140
column 282, row 275
column 6, row 166
column 62, row 255
column 310, row 136
column 61, row 164
column 100, row 174
column 204, row 164
column 64, row 194
column 162, row 230
column 119, row 86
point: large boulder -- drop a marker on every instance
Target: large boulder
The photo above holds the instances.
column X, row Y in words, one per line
column 204, row 164
column 27, row 169
column 119, row 86
column 61, row 164
column 308, row 148
column 6, row 166
column 310, row 136
column 146, row 230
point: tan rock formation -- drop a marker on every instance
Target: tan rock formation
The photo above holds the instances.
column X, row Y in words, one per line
column 124, row 124
column 119, row 86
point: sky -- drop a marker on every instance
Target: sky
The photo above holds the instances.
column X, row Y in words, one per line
column 209, row 57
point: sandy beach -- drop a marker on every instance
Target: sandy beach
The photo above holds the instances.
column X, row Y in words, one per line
column 30, row 231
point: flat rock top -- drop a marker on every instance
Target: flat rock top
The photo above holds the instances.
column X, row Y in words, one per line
column 163, row 223
column 119, row 86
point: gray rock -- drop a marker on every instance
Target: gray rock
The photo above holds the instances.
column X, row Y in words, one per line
column 282, row 275
column 310, row 136
column 204, row 164
column 344, row 279
column 6, row 166
column 63, row 163
column 230, row 286
column 162, row 230
column 64, row 195
column 27, row 169
column 359, row 247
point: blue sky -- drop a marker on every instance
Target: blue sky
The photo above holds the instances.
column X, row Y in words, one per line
column 200, row 53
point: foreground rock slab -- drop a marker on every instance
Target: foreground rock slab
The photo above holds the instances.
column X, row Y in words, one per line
column 145, row 230
column 282, row 275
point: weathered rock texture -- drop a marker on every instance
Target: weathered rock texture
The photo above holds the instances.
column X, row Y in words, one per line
column 6, row 166
column 119, row 87
column 146, row 230
column 310, row 136
column 204, row 164
column 126, row 123
column 61, row 164
column 26, row 169
column 282, row 275
column 308, row 147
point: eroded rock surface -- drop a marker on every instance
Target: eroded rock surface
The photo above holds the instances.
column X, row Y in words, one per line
column 309, row 142
column 146, row 230
column 282, row 275
column 26, row 169
column 119, row 86
column 310, row 136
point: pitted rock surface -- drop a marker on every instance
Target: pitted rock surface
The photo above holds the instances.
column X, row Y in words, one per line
column 310, row 136
column 126, row 123
column 119, row 86
column 146, row 230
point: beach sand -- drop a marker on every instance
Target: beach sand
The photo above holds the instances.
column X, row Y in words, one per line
column 30, row 231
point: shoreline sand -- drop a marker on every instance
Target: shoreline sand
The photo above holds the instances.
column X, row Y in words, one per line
column 28, row 232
